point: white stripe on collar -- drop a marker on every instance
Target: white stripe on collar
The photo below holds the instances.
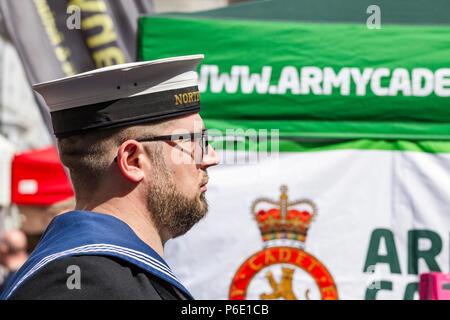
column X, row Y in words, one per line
column 99, row 248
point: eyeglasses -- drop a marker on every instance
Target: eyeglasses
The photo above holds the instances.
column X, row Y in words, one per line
column 201, row 137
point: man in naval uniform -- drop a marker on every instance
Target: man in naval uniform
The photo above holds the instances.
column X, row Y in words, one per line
column 138, row 154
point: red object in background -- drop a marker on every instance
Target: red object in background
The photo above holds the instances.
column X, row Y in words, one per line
column 38, row 178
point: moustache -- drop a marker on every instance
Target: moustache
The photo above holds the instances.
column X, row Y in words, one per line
column 205, row 179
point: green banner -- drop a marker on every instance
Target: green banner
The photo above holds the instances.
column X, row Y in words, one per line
column 312, row 80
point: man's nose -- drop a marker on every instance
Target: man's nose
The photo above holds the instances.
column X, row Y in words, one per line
column 211, row 158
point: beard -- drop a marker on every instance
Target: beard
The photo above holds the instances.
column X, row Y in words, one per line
column 170, row 210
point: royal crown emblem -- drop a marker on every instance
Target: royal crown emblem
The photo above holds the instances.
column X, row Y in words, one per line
column 283, row 219
column 282, row 269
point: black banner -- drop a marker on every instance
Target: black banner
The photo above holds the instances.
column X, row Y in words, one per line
column 59, row 38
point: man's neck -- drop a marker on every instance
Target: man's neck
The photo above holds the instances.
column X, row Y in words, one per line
column 134, row 215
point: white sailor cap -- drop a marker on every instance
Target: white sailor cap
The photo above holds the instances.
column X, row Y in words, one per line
column 123, row 95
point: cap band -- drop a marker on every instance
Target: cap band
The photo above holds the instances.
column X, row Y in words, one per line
column 126, row 111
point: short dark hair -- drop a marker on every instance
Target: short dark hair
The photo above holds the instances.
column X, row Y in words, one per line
column 89, row 156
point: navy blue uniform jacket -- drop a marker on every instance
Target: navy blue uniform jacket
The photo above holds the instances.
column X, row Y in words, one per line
column 108, row 258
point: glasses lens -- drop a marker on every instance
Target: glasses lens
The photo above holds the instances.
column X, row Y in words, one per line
column 202, row 140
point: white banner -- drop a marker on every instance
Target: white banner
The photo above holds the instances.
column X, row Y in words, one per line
column 377, row 219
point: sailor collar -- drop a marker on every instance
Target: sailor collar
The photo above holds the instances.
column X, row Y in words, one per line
column 78, row 233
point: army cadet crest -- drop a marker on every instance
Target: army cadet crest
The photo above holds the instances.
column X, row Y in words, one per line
column 283, row 270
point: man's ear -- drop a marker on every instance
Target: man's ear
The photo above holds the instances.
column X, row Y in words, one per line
column 130, row 160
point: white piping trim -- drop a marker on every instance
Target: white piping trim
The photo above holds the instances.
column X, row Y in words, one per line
column 89, row 248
